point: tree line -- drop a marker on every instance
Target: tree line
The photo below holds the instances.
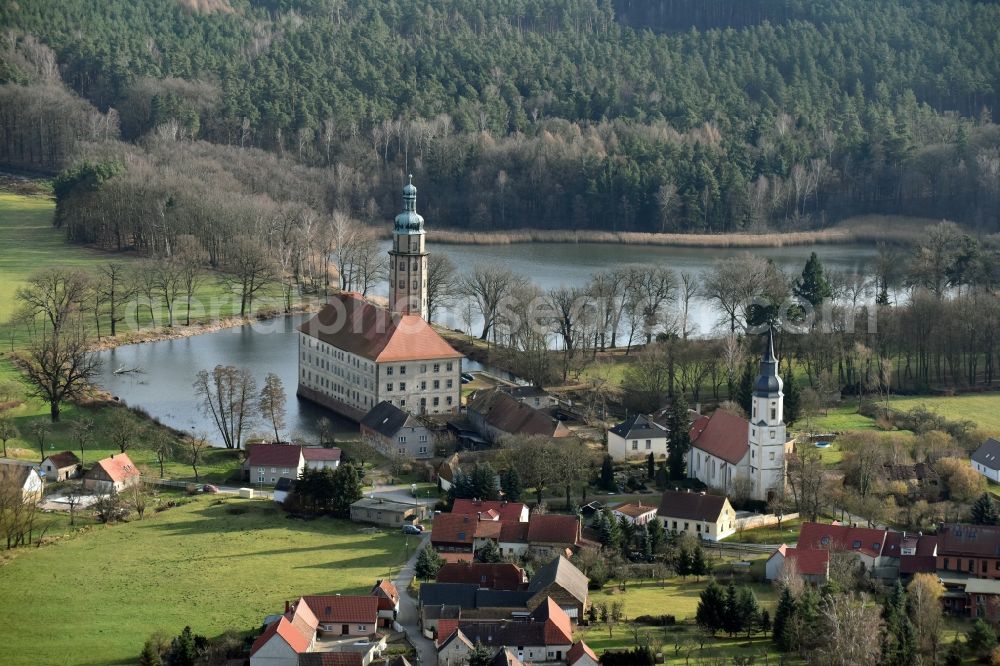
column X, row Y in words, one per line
column 540, row 114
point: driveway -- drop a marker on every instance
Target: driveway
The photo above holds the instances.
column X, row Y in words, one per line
column 407, row 618
column 401, row 493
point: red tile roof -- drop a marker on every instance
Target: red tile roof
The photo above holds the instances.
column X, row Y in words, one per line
column 514, row 532
column 454, row 528
column 965, row 540
column 385, row 588
column 842, row 537
column 452, row 558
column 488, row 529
column 350, row 323
column 118, row 467
column 506, row 510
column 287, row 632
column 926, row 545
column 274, row 455
column 553, row 528
column 577, row 652
column 558, row 627
column 343, row 609
column 725, row 436
column 500, row 576
column 810, row 562
column 318, row 453
column 445, row 629
column 911, row 564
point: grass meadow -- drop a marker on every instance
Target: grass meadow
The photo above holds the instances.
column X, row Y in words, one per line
column 94, row 596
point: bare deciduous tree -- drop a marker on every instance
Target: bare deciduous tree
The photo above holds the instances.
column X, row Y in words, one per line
column 58, row 366
column 225, row 395
column 272, row 403
column 851, row 631
column 442, row 283
column 54, row 294
column 488, row 285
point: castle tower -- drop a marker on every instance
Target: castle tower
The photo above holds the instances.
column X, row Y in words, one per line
column 767, row 435
column 408, row 259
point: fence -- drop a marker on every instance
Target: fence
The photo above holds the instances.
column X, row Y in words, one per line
column 172, row 483
column 762, row 520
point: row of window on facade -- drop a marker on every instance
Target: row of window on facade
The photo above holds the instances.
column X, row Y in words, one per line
column 402, row 265
column 436, row 367
column 423, row 385
column 335, row 353
column 774, row 411
column 423, row 402
column 402, row 284
column 971, row 565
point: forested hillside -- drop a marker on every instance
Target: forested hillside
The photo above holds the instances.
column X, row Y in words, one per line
column 661, row 115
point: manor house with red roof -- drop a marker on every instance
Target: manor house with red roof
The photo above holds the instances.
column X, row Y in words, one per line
column 354, row 355
column 726, row 448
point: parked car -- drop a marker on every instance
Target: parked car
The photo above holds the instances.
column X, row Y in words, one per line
column 411, row 529
column 467, row 377
column 209, row 488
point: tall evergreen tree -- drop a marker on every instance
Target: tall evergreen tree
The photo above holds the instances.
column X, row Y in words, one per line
column 749, row 610
column 732, row 621
column 608, row 474
column 699, row 564
column 793, row 405
column 711, row 612
column 428, row 563
column 984, row 511
column 812, row 286
column 650, row 466
column 510, row 483
column 679, row 427
column 657, row 536
column 783, row 615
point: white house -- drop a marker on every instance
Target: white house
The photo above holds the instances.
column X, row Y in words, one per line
column 986, row 460
column 709, row 517
column 635, row 513
column 353, row 355
column 61, row 466
column 637, row 437
column 727, row 449
column 266, row 463
column 23, row 477
column 319, row 458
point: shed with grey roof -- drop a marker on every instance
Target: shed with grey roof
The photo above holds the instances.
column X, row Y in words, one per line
column 986, row 460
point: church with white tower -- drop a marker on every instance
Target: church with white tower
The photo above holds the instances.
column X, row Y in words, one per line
column 354, row 355
column 728, row 450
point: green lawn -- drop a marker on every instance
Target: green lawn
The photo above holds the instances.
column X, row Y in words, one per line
column 680, row 599
column 789, row 533
column 983, row 408
column 94, row 597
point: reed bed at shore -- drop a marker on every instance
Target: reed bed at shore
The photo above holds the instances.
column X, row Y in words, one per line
column 866, row 229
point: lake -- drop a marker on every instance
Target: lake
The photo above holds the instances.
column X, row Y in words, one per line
column 164, row 388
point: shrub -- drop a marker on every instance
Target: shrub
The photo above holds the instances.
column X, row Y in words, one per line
column 657, row 620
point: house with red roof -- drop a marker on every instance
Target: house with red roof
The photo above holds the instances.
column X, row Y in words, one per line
column 545, row 636
column 812, row 565
column 388, row 601
column 266, row 463
column 490, row 576
column 316, row 457
column 581, row 655
column 635, row 513
column 495, row 510
column 727, row 449
column 112, row 474
column 281, row 643
column 343, row 615
column 354, row 355
column 868, row 544
column 454, row 532
column 550, row 535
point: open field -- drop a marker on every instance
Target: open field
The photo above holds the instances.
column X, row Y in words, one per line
column 675, row 597
column 213, row 564
column 983, row 408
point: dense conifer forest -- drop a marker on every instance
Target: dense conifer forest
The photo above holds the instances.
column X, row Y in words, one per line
column 660, row 115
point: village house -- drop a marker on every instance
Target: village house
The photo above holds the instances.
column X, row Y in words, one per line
column 388, row 602
column 636, row 513
column 316, row 457
column 867, row 544
column 395, row 432
column 495, row 414
column 970, row 549
column 553, row 534
column 545, row 636
column 581, row 655
column 490, row 576
column 921, row 479
column 266, row 463
column 387, row 512
column 492, row 509
column 343, row 615
column 531, row 396
column 637, row 437
column 727, row 449
column 699, row 514
column 986, row 460
column 354, row 355
column 22, row 479
column 812, row 565
column 447, row 472
column 61, row 466
column 111, row 474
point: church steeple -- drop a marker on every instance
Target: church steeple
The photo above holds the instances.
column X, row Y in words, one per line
column 768, row 381
column 408, row 259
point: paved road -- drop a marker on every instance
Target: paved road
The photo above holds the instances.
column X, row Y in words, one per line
column 426, row 652
column 400, row 493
